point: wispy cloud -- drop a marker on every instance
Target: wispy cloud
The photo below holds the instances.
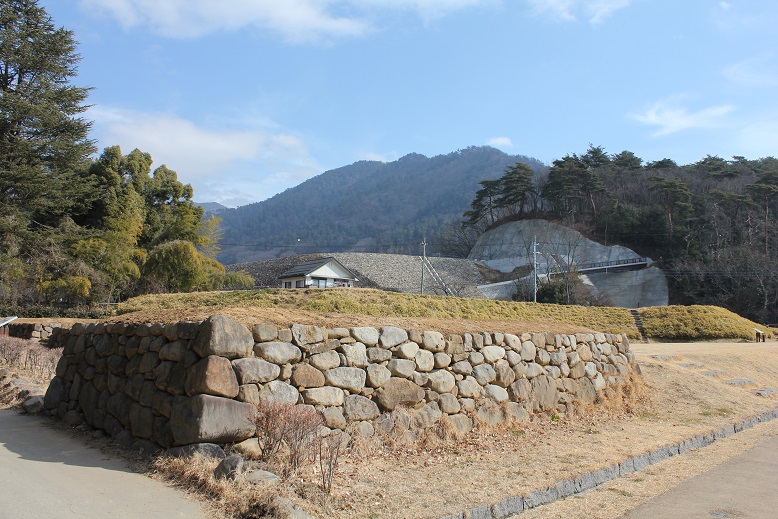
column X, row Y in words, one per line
column 295, row 20
column 594, row 11
column 669, row 116
column 229, row 166
column 500, row 142
column 756, row 71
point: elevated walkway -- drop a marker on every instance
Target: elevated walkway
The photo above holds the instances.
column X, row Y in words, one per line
column 606, row 266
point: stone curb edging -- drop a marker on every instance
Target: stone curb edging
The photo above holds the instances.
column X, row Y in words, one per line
column 587, row 481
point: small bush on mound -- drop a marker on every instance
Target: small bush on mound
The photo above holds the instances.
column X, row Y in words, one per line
column 690, row 323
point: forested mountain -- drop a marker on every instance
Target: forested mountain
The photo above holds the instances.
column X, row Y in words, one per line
column 368, row 206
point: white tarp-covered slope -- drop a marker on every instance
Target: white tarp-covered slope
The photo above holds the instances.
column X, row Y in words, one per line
column 509, row 246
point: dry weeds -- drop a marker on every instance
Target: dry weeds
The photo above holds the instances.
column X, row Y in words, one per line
column 431, row 478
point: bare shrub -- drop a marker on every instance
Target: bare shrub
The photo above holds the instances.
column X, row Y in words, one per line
column 29, row 355
column 330, row 449
column 288, row 434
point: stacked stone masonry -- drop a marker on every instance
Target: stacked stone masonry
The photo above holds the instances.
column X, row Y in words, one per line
column 164, row 385
column 39, row 331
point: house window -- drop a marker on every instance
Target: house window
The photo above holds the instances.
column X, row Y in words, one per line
column 287, row 284
column 300, row 283
column 319, row 282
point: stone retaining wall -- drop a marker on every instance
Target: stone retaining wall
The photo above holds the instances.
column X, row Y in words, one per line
column 151, row 385
column 39, row 331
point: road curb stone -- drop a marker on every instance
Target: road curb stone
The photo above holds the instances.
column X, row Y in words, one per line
column 515, row 505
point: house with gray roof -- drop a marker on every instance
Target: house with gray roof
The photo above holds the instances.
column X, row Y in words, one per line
column 319, row 273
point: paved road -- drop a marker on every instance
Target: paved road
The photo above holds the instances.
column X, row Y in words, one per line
column 744, row 487
column 45, row 473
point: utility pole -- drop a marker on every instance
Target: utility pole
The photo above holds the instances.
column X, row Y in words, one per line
column 423, row 261
column 534, row 270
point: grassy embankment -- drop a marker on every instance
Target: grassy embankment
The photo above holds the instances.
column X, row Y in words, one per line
column 682, row 323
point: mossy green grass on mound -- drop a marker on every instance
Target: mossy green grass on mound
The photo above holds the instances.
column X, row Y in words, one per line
column 696, row 323
column 687, row 323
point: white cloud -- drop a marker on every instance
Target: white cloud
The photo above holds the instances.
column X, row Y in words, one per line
column 296, row 20
column 229, row 166
column 594, row 11
column 757, row 71
column 500, row 142
column 726, row 6
column 670, row 117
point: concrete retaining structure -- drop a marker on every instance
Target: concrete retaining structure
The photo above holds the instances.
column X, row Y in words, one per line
column 163, row 385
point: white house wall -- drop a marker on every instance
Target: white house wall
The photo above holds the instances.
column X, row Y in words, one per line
column 331, row 271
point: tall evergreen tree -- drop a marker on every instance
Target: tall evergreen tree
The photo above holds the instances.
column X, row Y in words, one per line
column 44, row 145
column 516, row 187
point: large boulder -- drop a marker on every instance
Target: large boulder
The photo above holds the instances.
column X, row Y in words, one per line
column 213, row 376
column 224, row 337
column 278, row 352
column 211, row 419
column 398, row 391
column 55, row 393
column 391, row 336
column 366, row 335
column 326, row 396
column 544, row 393
column 278, row 392
column 252, row 371
column 441, row 381
column 352, row 379
column 357, row 407
column 305, row 375
column 304, row 334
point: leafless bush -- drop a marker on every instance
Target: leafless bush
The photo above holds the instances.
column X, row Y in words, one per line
column 288, row 434
column 330, row 448
column 29, row 355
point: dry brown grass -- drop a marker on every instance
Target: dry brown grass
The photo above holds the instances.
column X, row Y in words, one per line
column 375, row 307
column 38, row 360
column 224, row 498
column 425, row 479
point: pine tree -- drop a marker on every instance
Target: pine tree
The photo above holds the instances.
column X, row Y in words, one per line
column 44, row 145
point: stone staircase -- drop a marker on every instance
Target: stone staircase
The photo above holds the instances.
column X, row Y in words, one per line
column 639, row 325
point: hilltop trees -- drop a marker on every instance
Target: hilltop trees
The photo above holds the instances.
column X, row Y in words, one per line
column 711, row 224
column 507, row 195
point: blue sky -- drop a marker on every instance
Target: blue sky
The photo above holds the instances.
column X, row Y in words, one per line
column 245, row 98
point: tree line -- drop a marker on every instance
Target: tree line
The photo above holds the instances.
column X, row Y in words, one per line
column 77, row 230
column 710, row 224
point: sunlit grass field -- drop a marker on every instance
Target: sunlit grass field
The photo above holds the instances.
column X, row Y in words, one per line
column 660, row 323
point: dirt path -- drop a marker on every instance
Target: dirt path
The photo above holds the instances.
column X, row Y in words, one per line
column 47, row 473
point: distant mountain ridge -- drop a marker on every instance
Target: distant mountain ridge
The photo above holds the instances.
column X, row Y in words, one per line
column 211, row 207
column 368, row 206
